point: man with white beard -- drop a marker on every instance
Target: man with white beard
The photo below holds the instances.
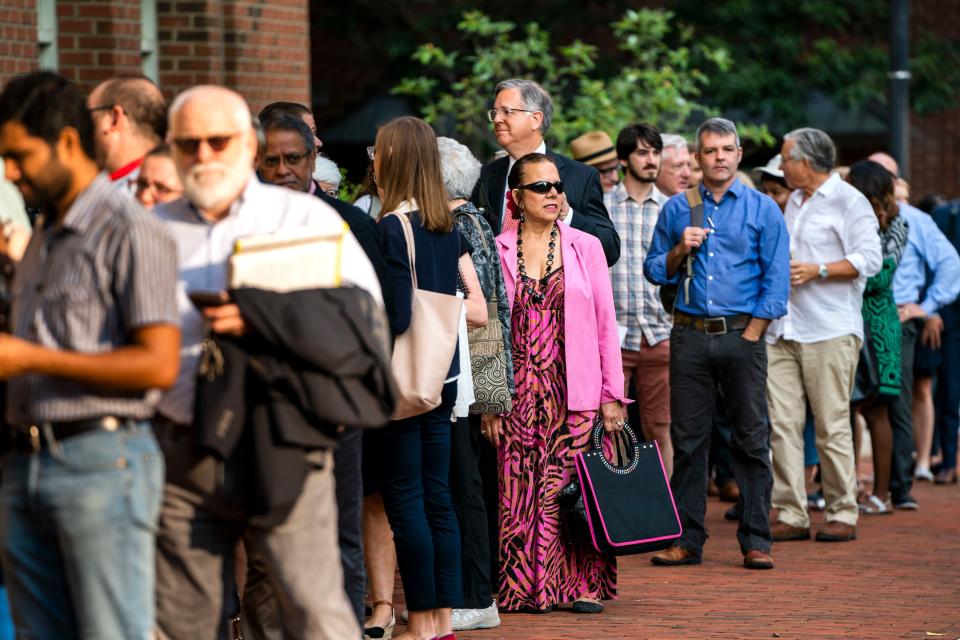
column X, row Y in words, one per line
column 202, row 518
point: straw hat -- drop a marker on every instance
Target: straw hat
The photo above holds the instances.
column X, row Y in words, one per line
column 593, row 148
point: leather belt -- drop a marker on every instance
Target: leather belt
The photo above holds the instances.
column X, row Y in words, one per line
column 32, row 438
column 712, row 326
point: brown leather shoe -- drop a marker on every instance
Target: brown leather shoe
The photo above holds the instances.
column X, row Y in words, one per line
column 837, row 532
column 756, row 559
column 946, row 476
column 730, row 492
column 675, row 556
column 782, row 532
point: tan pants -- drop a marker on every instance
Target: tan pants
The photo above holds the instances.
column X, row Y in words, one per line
column 195, row 554
column 822, row 373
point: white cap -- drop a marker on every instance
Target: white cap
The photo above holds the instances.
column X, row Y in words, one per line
column 772, row 167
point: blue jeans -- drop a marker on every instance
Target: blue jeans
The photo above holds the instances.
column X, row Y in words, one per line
column 416, row 495
column 77, row 527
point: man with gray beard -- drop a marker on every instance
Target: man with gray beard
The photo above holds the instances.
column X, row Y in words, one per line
column 205, row 511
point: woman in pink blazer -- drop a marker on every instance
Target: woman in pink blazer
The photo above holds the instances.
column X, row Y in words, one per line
column 566, row 357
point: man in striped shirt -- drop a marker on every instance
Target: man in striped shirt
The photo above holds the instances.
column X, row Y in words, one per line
column 94, row 334
column 634, row 205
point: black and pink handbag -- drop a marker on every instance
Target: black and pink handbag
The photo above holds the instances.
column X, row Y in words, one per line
column 620, row 510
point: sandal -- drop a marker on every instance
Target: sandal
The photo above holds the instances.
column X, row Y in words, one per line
column 874, row 506
column 381, row 633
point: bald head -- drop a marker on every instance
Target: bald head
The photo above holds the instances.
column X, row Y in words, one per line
column 129, row 117
column 214, row 146
column 886, row 161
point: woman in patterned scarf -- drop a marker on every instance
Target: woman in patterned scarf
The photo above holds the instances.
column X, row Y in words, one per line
column 882, row 327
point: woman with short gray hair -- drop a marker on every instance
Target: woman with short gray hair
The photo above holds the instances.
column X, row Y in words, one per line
column 460, row 170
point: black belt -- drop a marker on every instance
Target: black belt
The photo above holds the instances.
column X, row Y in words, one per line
column 32, row 438
column 712, row 326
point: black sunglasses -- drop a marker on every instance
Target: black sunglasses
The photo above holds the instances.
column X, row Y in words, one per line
column 543, row 187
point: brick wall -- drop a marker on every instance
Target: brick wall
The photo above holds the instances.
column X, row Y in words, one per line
column 191, row 36
column 935, row 139
column 18, row 37
column 98, row 40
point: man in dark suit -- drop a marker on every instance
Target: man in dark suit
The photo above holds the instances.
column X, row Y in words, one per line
column 288, row 161
column 521, row 117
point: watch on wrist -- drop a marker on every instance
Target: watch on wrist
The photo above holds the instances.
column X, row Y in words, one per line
column 823, row 272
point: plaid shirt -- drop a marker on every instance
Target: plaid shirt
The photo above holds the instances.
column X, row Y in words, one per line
column 637, row 301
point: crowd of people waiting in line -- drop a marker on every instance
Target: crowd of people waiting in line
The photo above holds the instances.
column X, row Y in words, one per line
column 189, row 462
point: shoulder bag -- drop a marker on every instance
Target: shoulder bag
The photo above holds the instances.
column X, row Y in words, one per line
column 423, row 353
column 488, row 356
column 619, row 510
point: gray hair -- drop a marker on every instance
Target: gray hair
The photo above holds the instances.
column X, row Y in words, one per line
column 534, row 98
column 459, row 167
column 718, row 126
column 673, row 141
column 326, row 171
column 813, row 145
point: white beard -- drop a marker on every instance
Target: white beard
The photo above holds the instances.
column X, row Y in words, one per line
column 214, row 184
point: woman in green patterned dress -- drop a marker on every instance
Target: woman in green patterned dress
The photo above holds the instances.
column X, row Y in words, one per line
column 882, row 327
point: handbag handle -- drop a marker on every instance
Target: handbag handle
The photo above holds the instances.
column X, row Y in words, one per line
column 486, row 247
column 411, row 247
column 597, row 438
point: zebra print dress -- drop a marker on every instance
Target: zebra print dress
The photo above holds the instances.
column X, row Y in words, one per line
column 538, row 570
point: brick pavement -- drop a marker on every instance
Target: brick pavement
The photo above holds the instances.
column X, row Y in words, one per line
column 900, row 579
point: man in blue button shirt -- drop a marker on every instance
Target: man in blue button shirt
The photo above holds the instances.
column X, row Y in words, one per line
column 919, row 303
column 740, row 282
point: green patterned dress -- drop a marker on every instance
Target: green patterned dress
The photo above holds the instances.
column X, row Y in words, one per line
column 880, row 317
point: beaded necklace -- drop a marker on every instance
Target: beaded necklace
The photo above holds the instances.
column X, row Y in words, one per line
column 527, row 281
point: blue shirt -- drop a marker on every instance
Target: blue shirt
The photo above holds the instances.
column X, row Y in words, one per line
column 927, row 247
column 744, row 265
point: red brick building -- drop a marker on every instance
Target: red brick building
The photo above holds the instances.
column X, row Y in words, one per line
column 259, row 47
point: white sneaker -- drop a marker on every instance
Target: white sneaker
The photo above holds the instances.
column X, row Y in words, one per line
column 468, row 619
column 922, row 473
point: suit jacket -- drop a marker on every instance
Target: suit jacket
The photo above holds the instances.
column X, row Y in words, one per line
column 364, row 229
column 581, row 186
column 591, row 342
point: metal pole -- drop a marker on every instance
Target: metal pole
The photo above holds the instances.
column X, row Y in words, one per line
column 899, row 84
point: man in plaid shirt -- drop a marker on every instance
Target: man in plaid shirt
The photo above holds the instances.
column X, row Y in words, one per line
column 634, row 206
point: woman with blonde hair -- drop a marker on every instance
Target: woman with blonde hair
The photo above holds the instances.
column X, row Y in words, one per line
column 415, row 460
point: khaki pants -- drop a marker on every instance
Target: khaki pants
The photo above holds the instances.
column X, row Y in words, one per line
column 199, row 529
column 823, row 373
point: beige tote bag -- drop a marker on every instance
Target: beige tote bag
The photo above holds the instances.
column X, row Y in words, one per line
column 423, row 353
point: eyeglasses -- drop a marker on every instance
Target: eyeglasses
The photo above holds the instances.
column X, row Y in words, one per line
column 543, row 187
column 101, row 107
column 506, row 112
column 159, row 189
column 608, row 170
column 190, row 146
column 370, row 151
column 289, row 159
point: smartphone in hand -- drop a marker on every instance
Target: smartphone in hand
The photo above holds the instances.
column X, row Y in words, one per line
column 205, row 299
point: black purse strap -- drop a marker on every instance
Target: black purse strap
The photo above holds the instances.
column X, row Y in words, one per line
column 631, row 438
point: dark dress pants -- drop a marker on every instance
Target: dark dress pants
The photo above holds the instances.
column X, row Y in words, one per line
column 721, row 457
column 416, row 494
column 466, row 486
column 349, row 478
column 698, row 364
column 901, row 417
column 947, row 396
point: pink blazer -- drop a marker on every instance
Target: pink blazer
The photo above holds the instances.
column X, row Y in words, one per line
column 594, row 367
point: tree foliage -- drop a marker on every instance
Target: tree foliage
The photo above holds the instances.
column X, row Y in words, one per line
column 660, row 74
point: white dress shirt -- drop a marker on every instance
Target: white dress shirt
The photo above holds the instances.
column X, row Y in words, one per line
column 836, row 223
column 204, row 247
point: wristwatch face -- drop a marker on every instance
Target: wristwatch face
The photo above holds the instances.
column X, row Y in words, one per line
column 823, row 271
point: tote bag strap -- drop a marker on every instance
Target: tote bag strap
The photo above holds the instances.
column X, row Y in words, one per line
column 411, row 247
column 486, row 247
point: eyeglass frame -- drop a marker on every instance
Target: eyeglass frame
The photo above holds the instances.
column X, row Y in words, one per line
column 182, row 144
column 558, row 185
column 507, row 112
column 284, row 157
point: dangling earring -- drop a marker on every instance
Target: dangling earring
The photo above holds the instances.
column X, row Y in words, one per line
column 522, row 216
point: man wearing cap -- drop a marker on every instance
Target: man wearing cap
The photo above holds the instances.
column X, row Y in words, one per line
column 773, row 183
column 634, row 206
column 521, row 115
column 595, row 149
